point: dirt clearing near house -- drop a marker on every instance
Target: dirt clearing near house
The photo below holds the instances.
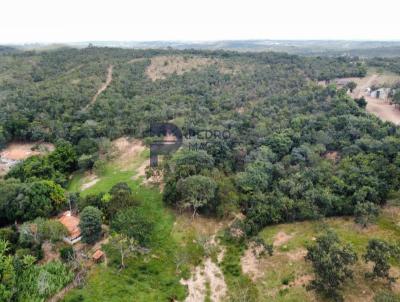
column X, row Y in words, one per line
column 382, row 109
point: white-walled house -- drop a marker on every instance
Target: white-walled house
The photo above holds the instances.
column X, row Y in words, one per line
column 381, row 93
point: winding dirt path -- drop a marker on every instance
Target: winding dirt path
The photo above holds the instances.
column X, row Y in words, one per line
column 103, row 87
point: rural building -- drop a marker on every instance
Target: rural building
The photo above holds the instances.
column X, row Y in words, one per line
column 72, row 224
column 98, row 256
column 381, row 93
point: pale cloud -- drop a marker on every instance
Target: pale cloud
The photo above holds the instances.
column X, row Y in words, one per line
column 84, row 20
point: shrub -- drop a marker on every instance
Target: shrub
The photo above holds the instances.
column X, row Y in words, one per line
column 66, row 253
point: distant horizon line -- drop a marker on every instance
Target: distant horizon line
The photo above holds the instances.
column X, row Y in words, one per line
column 196, row 41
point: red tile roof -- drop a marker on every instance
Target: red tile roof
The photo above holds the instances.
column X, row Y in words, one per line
column 71, row 223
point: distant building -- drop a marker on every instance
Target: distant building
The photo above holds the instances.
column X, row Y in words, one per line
column 381, row 93
column 72, row 225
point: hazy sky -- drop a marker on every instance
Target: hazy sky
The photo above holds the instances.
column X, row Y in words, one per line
column 84, row 20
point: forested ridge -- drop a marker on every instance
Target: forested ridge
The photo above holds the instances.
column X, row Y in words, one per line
column 281, row 125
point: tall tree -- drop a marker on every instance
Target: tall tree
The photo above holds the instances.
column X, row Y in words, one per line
column 196, row 191
column 332, row 263
column 90, row 224
column 125, row 245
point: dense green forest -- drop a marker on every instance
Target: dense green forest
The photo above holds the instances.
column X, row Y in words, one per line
column 296, row 150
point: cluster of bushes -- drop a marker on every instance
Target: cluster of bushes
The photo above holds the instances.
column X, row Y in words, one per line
column 131, row 228
column 333, row 263
column 22, row 280
column 28, row 238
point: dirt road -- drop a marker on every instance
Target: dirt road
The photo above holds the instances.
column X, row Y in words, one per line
column 104, row 86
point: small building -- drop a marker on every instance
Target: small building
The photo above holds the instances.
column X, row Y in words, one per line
column 98, row 256
column 381, row 93
column 72, row 225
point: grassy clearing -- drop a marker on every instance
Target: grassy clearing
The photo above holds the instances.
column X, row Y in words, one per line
column 175, row 247
column 286, row 273
column 112, row 174
column 151, row 277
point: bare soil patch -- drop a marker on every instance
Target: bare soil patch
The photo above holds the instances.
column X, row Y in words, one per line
column 332, row 155
column 297, row 255
column 302, row 280
column 141, row 171
column 210, row 273
column 281, row 238
column 21, row 151
column 89, row 181
column 207, row 273
column 250, row 263
column 16, row 152
column 383, row 110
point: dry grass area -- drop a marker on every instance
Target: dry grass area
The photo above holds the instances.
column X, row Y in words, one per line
column 50, row 253
column 133, row 61
column 127, row 151
column 163, row 66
